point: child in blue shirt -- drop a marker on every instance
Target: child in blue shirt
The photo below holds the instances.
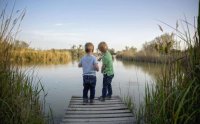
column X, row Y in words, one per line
column 90, row 66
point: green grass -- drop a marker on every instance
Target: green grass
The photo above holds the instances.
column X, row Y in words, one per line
column 20, row 99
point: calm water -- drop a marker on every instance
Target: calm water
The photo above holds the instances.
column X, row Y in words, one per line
column 63, row 81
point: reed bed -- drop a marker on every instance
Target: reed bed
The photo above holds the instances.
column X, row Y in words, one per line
column 27, row 56
column 145, row 56
column 22, row 101
column 175, row 97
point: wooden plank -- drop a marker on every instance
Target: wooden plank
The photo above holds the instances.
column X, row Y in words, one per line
column 96, row 106
column 99, row 119
column 98, row 112
column 116, row 100
column 96, row 103
column 95, row 97
column 96, row 109
column 115, row 122
column 111, row 111
column 99, row 115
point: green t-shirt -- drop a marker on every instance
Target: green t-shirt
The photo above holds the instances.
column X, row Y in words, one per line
column 108, row 63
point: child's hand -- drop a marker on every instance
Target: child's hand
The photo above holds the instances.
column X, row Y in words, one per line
column 96, row 67
column 102, row 68
column 79, row 65
column 99, row 59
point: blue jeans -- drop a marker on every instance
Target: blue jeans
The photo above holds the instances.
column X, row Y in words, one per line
column 89, row 83
column 107, row 87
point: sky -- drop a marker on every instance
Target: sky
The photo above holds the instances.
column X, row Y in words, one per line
column 61, row 23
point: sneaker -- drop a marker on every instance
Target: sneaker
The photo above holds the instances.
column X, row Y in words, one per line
column 108, row 97
column 85, row 101
column 91, row 101
column 101, row 99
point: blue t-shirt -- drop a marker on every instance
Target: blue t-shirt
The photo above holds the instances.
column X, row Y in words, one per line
column 88, row 62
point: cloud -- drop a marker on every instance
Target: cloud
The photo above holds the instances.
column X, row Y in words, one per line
column 52, row 33
column 53, row 36
column 59, row 24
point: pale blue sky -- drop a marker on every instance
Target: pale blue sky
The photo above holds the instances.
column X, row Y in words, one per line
column 62, row 23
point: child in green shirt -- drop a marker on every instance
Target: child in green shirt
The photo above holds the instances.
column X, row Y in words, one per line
column 107, row 70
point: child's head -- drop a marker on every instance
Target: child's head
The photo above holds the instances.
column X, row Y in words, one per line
column 103, row 47
column 89, row 47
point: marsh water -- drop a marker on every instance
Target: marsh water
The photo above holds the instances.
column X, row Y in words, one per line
column 64, row 80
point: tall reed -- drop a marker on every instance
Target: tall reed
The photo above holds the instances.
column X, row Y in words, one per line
column 20, row 101
column 175, row 99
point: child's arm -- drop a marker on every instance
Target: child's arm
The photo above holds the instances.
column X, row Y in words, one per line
column 102, row 68
column 79, row 65
column 96, row 66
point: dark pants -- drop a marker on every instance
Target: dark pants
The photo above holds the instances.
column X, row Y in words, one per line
column 107, row 87
column 89, row 83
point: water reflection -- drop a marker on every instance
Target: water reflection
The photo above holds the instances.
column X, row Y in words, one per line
column 153, row 69
column 63, row 81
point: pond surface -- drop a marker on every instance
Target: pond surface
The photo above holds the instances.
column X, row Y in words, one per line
column 63, row 81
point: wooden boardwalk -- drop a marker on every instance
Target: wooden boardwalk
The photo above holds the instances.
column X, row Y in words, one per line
column 111, row 111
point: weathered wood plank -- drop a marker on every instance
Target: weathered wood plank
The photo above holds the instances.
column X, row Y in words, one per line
column 96, row 103
column 97, row 100
column 99, row 115
column 112, row 122
column 96, row 106
column 99, row 119
column 96, row 109
column 95, row 97
column 111, row 111
column 98, row 112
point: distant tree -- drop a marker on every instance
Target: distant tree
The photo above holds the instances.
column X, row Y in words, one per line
column 133, row 49
column 126, row 48
column 80, row 46
column 80, row 51
column 77, row 51
column 112, row 51
column 164, row 43
column 73, row 47
column 148, row 46
column 20, row 44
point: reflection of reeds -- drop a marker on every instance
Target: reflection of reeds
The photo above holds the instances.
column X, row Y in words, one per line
column 20, row 101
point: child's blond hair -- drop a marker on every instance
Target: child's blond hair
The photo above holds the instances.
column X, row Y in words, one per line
column 103, row 46
column 89, row 47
